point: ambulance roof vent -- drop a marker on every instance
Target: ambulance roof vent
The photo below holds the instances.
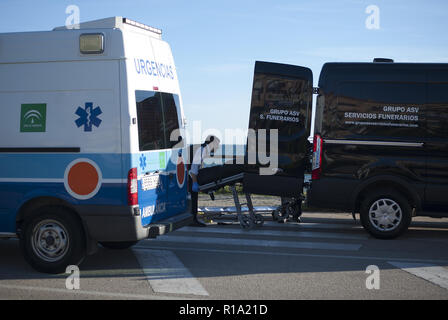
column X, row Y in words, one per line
column 383, row 60
column 142, row 26
column 110, row 23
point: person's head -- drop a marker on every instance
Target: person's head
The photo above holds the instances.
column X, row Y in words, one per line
column 213, row 142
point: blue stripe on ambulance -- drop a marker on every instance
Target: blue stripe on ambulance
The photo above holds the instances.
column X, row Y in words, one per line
column 167, row 199
column 40, row 175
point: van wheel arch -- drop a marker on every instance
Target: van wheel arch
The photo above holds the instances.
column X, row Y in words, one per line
column 33, row 204
column 412, row 197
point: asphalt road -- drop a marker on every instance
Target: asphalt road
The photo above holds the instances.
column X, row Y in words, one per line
column 324, row 257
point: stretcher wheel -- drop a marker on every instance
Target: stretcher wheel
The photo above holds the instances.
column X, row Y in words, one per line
column 259, row 220
column 245, row 222
column 276, row 215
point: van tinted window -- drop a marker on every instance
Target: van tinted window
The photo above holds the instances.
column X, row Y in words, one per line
column 378, row 110
column 437, row 114
column 157, row 118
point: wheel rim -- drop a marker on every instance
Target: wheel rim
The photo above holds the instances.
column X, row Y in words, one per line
column 50, row 240
column 385, row 215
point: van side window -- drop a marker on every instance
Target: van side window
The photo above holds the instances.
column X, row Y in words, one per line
column 437, row 110
column 380, row 110
column 156, row 118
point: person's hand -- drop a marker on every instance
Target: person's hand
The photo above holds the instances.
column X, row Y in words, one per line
column 195, row 187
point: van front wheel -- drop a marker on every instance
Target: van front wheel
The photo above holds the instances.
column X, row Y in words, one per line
column 385, row 214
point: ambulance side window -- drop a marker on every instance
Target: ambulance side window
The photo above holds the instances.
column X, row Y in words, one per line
column 157, row 118
column 170, row 105
column 150, row 120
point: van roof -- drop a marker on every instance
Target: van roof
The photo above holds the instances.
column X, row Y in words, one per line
column 374, row 71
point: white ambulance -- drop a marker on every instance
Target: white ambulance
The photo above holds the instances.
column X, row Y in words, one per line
column 91, row 146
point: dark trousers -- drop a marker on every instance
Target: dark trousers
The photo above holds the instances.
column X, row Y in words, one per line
column 194, row 198
column 194, row 204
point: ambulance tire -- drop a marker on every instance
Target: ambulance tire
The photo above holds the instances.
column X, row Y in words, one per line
column 118, row 245
column 52, row 238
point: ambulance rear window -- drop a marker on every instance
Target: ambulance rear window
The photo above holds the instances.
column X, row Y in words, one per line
column 157, row 118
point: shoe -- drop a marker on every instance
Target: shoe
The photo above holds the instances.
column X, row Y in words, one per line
column 295, row 219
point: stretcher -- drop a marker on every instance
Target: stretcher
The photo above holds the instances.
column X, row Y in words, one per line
column 214, row 178
column 247, row 221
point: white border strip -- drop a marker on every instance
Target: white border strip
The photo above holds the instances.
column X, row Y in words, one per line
column 55, row 180
column 84, row 292
column 432, row 273
column 143, row 246
column 33, row 180
column 375, row 143
column 279, row 233
column 241, row 242
column 167, row 274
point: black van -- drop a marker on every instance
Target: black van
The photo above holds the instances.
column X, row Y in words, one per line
column 381, row 143
column 280, row 115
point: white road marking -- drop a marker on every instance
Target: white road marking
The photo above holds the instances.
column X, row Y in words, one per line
column 282, row 233
column 84, row 292
column 315, row 225
column 167, row 274
column 435, row 274
column 258, row 243
column 287, row 254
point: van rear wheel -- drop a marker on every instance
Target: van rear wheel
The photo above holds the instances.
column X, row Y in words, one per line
column 51, row 239
column 385, row 214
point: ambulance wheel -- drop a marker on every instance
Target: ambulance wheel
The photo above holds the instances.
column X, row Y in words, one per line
column 51, row 239
column 121, row 245
column 385, row 214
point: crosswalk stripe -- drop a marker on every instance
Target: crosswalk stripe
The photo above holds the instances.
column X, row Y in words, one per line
column 435, row 274
column 257, row 243
column 167, row 274
column 315, row 225
column 101, row 294
column 144, row 246
column 281, row 233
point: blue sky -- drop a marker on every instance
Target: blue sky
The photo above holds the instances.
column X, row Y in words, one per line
column 216, row 43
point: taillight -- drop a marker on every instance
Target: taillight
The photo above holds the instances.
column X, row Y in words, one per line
column 317, row 157
column 132, row 187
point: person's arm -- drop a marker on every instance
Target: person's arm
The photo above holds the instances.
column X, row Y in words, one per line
column 194, row 170
column 195, row 184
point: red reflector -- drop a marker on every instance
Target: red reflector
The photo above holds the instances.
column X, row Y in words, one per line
column 317, row 157
column 155, row 88
column 132, row 187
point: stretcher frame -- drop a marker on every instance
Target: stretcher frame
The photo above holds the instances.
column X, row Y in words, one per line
column 249, row 221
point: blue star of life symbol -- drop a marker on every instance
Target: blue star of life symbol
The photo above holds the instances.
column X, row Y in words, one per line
column 88, row 116
column 142, row 162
